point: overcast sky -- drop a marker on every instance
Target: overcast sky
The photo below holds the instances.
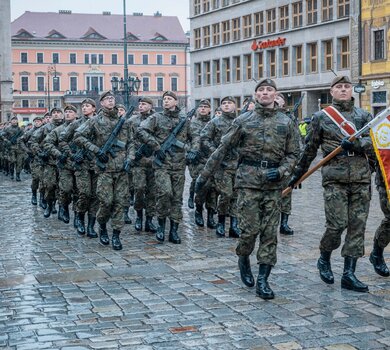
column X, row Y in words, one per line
column 179, row 8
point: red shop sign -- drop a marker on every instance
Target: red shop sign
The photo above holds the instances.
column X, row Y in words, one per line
column 269, row 43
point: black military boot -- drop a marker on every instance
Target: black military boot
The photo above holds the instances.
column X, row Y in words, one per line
column 11, row 171
column 149, row 226
column 65, row 217
column 60, row 215
column 324, row 267
column 116, row 242
column 18, row 177
column 199, row 216
column 377, row 260
column 349, row 280
column 244, row 264
column 191, row 200
column 91, row 233
column 220, row 231
column 131, row 202
column 48, row 209
column 42, row 201
column 34, row 200
column 160, row 234
column 80, row 223
column 126, row 217
column 234, row 231
column 173, row 235
column 263, row 289
column 54, row 209
column 210, row 219
column 104, row 239
column 138, row 220
column 284, row 228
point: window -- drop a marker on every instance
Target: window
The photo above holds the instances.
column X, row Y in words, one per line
column 298, row 59
column 248, row 67
column 56, row 83
column 145, row 60
column 284, row 19
column 379, row 97
column 285, row 61
column 39, row 57
column 328, row 55
column 93, row 58
column 216, row 34
column 160, row 84
column 56, row 58
column 343, row 8
column 344, row 53
column 207, row 72
column 72, row 58
column 25, row 103
column 259, row 23
column 297, row 14
column 236, row 23
column 198, row 74
column 41, row 103
column 145, row 83
column 217, row 71
column 311, row 11
column 260, row 65
column 225, row 32
column 272, row 63
column 225, row 3
column 114, row 58
column 196, row 7
column 130, row 59
column 41, row 83
column 206, row 36
column 379, row 44
column 173, row 83
column 215, row 4
column 271, row 21
column 312, row 57
column 86, row 58
column 73, row 84
column 159, row 59
column 100, row 58
column 226, row 70
column 95, row 83
column 206, row 5
column 237, row 68
column 327, row 10
column 23, row 57
column 173, row 60
column 247, row 26
column 24, row 83
column 197, row 38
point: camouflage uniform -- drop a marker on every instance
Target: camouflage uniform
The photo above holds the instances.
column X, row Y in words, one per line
column 382, row 234
column 15, row 153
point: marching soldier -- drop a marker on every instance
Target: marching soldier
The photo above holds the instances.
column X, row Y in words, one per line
column 346, row 179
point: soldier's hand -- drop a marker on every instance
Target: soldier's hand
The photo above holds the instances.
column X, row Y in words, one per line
column 160, row 155
column 199, row 184
column 102, row 157
column 346, row 144
column 77, row 158
column 138, row 155
column 192, row 157
column 127, row 165
column 62, row 158
column 273, row 175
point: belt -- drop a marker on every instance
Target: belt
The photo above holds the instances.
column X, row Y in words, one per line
column 264, row 164
column 346, row 153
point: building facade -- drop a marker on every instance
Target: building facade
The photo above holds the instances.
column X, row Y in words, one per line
column 62, row 58
column 375, row 79
column 301, row 44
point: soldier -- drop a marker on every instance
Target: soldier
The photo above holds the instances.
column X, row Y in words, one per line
column 346, row 179
column 251, row 102
column 112, row 183
column 196, row 159
column 85, row 175
column 266, row 142
column 224, row 176
column 217, row 112
column 170, row 176
column 145, row 186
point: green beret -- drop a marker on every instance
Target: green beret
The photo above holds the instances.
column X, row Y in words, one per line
column 55, row 109
column 248, row 100
column 266, row 82
column 283, row 96
column 106, row 94
column 70, row 108
column 120, row 105
column 90, row 101
column 38, row 118
column 205, row 102
column 228, row 98
column 14, row 117
column 146, row 99
column 340, row 79
column 170, row 93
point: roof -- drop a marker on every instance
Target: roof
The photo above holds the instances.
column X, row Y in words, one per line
column 96, row 27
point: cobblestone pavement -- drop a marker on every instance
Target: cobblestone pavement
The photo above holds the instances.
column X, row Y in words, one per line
column 62, row 291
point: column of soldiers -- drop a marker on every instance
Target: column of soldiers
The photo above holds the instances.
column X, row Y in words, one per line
column 241, row 164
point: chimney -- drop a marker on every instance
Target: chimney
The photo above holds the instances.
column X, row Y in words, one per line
column 65, row 12
column 106, row 13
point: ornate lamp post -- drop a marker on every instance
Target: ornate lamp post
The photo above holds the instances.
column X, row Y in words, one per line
column 126, row 87
column 50, row 71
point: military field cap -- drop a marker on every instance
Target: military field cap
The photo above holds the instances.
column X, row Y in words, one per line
column 340, row 79
column 205, row 102
column 47, row 114
column 70, row 108
column 218, row 109
column 248, row 100
column 228, row 98
column 146, row 100
column 120, row 105
column 55, row 109
column 266, row 82
column 106, row 94
column 37, row 118
column 283, row 96
column 14, row 117
column 170, row 93
column 90, row 101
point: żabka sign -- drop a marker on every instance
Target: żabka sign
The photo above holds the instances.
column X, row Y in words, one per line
column 269, row 43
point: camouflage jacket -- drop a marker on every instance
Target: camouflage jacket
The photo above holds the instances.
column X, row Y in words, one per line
column 25, row 139
column 38, row 136
column 94, row 133
column 326, row 134
column 134, row 123
column 264, row 138
column 9, row 133
column 155, row 130
column 196, row 127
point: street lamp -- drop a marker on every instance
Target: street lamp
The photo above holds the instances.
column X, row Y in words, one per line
column 126, row 87
column 50, row 71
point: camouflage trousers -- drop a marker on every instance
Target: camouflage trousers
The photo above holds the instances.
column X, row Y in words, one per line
column 113, row 194
column 144, row 190
column 17, row 159
column 169, row 197
column 208, row 195
column 258, row 215
column 36, row 175
column 286, row 200
column 346, row 207
column 382, row 234
column 131, row 182
column 50, row 182
column 86, row 183
column 67, row 186
column 224, row 185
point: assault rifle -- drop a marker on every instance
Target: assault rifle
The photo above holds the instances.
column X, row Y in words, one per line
column 112, row 144
column 171, row 140
column 295, row 109
column 15, row 137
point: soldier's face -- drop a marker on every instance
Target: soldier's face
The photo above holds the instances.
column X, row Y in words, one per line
column 108, row 102
column 228, row 106
column 341, row 91
column 88, row 109
column 57, row 115
column 218, row 113
column 38, row 123
column 204, row 110
column 144, row 107
column 280, row 101
column 14, row 122
column 251, row 106
column 169, row 102
column 265, row 95
column 70, row 115
column 47, row 119
column 121, row 111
